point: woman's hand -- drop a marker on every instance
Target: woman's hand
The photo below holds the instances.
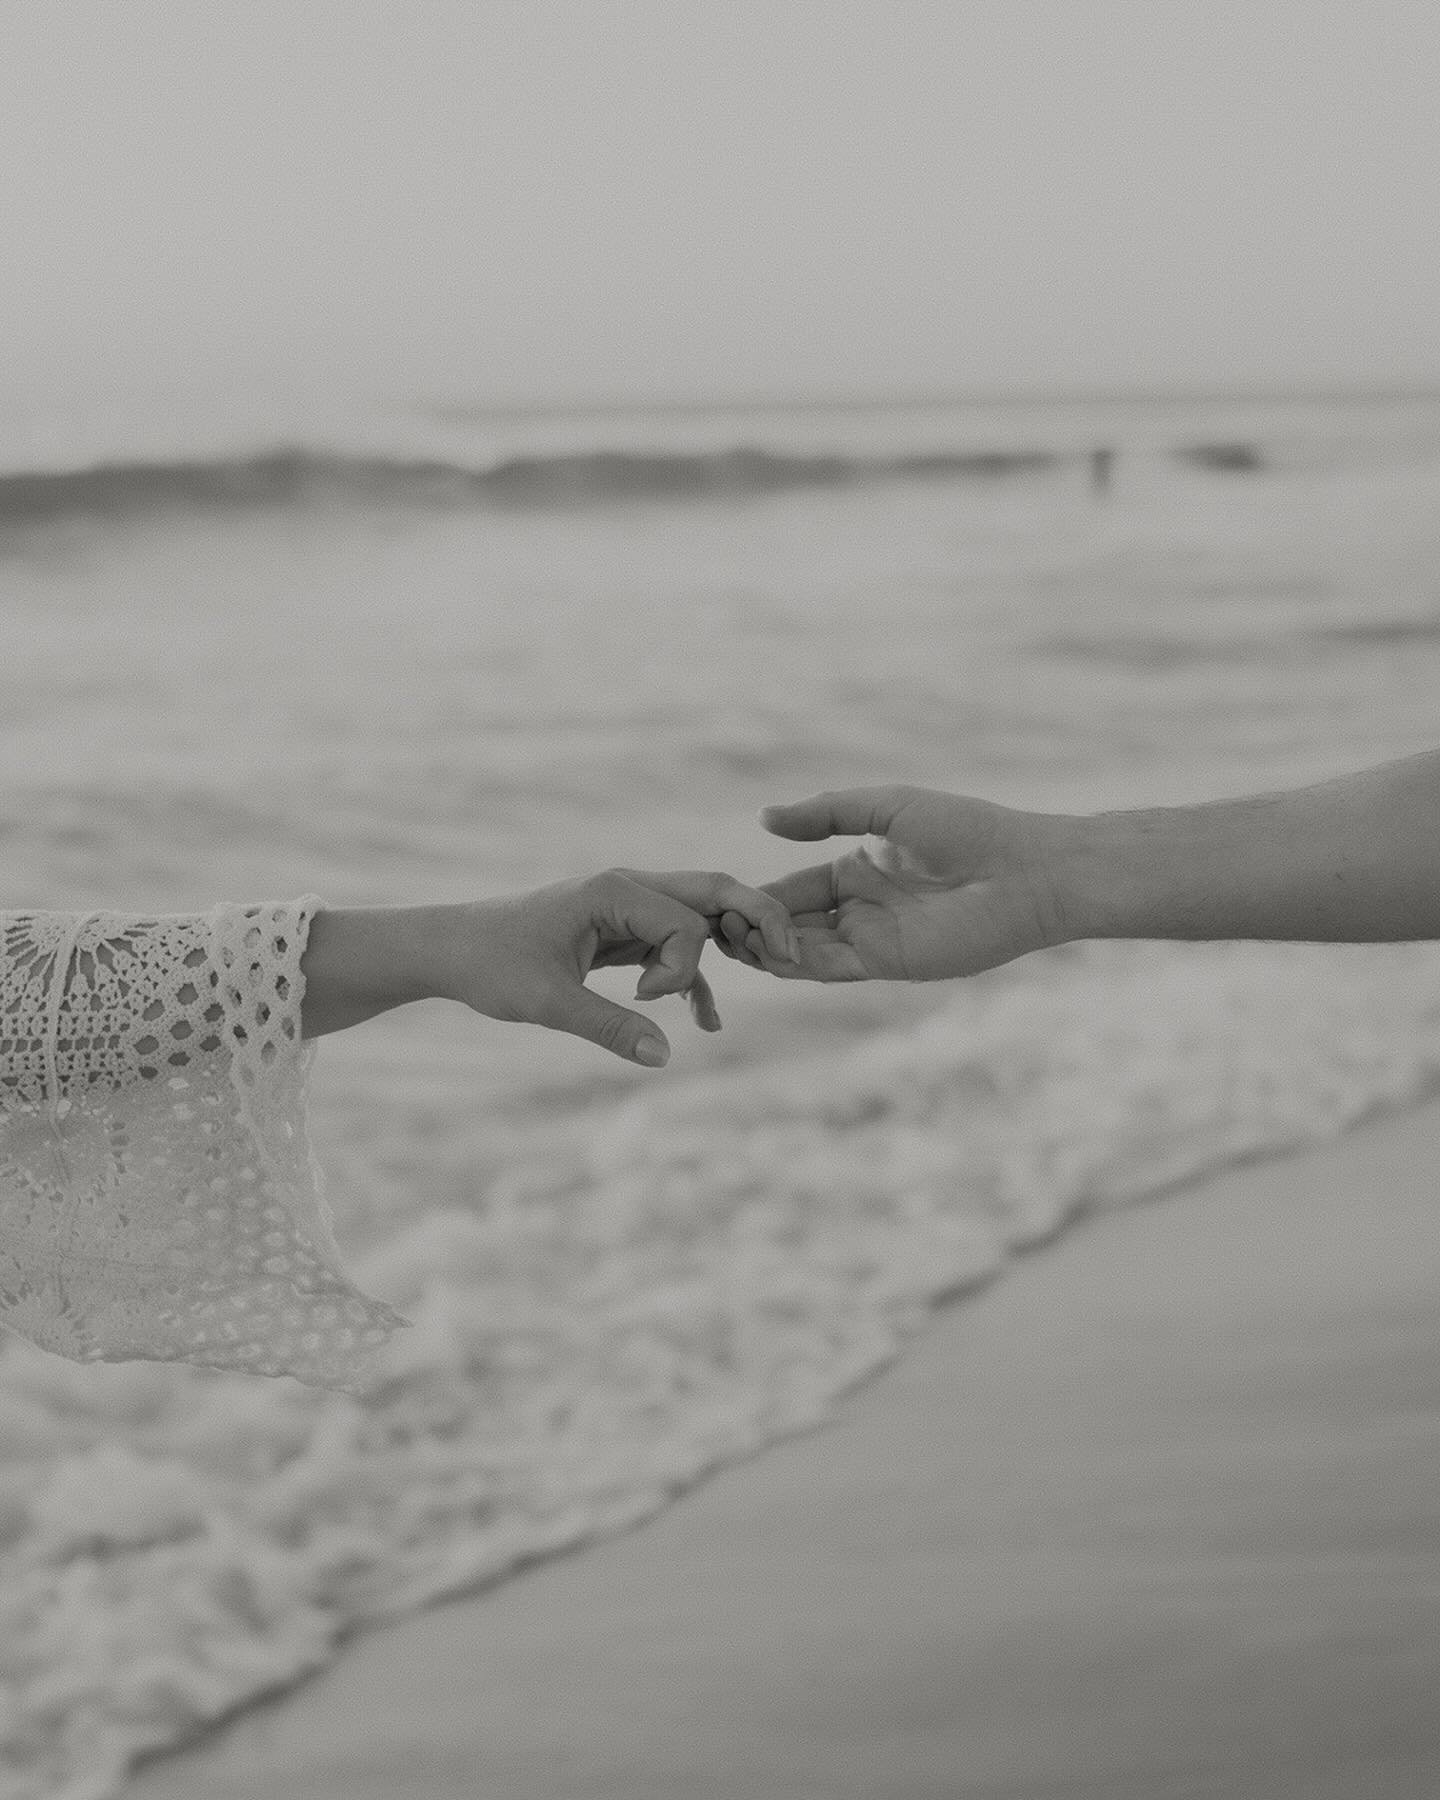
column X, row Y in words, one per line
column 524, row 958
column 943, row 886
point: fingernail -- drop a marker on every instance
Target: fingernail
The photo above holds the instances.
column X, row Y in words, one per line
column 652, row 1053
column 792, row 938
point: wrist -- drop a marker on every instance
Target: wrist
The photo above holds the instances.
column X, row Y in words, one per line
column 1097, row 877
column 360, row 961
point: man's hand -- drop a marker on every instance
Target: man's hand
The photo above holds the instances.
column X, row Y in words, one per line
column 942, row 886
column 524, row 959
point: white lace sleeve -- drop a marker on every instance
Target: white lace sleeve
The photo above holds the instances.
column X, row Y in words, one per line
column 158, row 1193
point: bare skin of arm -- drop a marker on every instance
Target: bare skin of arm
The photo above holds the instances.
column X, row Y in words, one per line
column 944, row 885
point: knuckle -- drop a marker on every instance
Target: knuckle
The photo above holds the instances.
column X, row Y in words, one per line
column 604, row 885
column 887, row 802
column 686, row 947
column 612, row 1030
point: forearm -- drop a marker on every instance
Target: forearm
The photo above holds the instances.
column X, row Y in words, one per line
column 361, row 961
column 1349, row 861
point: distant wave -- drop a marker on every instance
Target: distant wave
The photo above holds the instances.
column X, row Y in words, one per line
column 1140, row 650
column 1382, row 631
column 286, row 477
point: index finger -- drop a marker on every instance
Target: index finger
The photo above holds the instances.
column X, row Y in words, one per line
column 845, row 812
column 678, row 933
column 712, row 893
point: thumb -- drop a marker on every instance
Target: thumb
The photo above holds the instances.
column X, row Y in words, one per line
column 615, row 1028
column 850, row 812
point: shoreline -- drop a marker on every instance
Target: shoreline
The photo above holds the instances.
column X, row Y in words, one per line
column 1155, row 1515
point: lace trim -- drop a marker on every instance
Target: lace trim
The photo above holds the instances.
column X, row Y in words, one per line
column 159, row 1196
column 60, row 975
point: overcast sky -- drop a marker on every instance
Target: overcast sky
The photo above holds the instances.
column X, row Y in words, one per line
column 550, row 199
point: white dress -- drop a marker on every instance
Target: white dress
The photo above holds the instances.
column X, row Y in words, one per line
column 159, row 1197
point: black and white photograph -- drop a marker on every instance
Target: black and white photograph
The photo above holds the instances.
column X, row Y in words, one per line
column 719, row 900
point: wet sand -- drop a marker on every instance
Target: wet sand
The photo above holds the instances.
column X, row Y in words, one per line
column 1156, row 1515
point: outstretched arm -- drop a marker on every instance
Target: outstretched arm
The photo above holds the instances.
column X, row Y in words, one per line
column 1354, row 860
column 159, row 1196
column 945, row 885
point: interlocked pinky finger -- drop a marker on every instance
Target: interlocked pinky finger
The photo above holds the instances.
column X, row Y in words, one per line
column 739, row 933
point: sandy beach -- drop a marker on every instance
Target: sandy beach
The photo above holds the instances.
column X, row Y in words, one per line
column 1156, row 1515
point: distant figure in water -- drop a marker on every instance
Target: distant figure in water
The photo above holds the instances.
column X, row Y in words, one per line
column 1101, row 463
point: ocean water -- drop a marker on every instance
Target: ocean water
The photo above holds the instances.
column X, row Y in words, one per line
column 392, row 656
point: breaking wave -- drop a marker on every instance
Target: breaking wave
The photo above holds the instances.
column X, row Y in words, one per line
column 289, row 477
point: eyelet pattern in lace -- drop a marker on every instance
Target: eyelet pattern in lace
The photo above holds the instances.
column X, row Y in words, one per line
column 159, row 1196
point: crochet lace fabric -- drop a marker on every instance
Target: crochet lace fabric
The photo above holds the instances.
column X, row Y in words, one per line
column 158, row 1193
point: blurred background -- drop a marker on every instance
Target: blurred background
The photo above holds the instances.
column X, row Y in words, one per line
column 445, row 447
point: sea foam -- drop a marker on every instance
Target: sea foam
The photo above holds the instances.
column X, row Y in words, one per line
column 667, row 1285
